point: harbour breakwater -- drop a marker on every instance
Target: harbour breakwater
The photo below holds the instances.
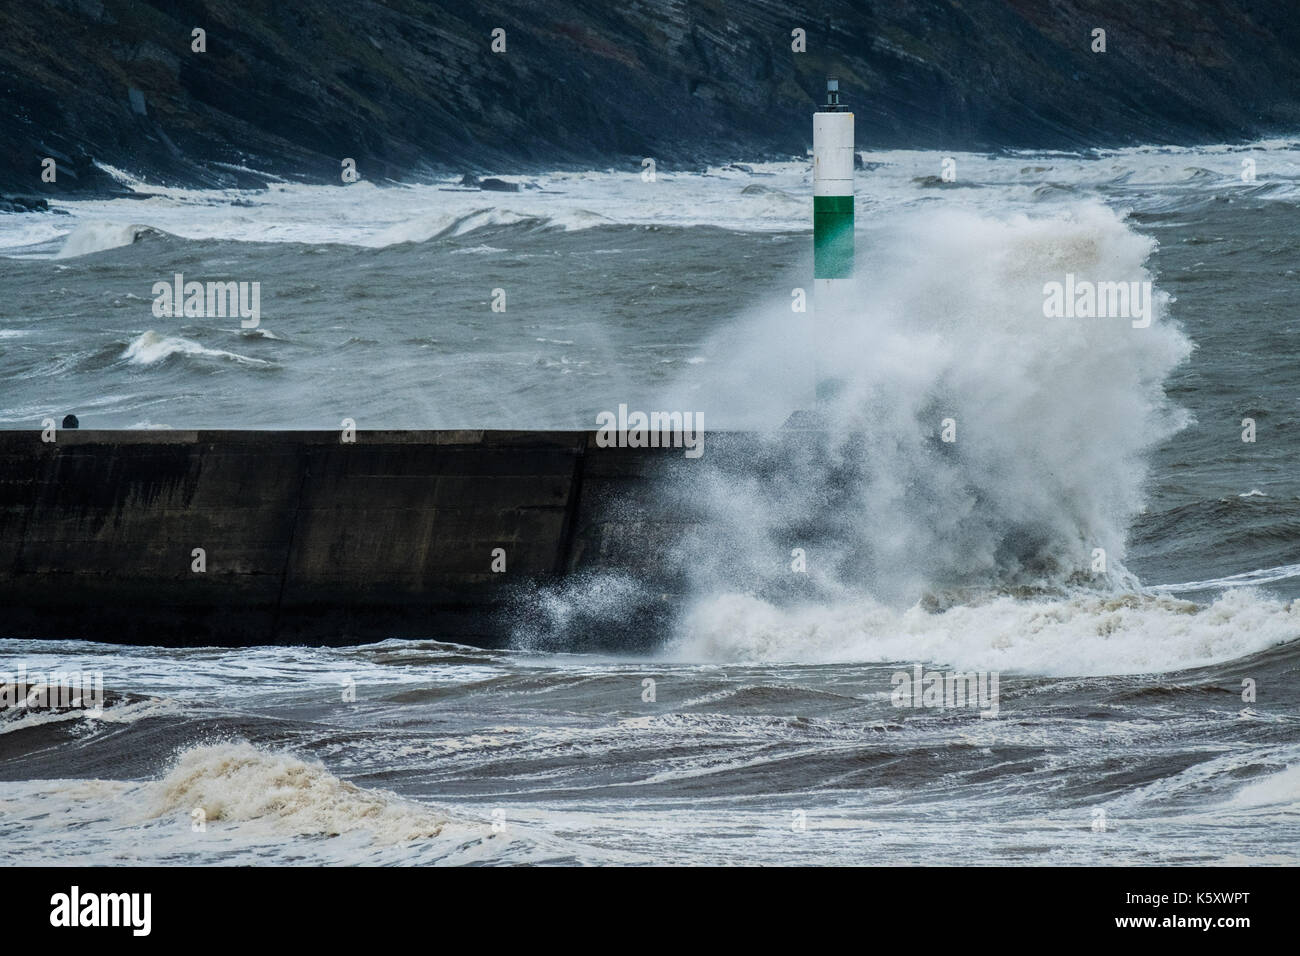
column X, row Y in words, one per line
column 259, row 537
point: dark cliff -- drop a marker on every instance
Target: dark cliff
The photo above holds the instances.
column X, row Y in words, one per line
column 407, row 88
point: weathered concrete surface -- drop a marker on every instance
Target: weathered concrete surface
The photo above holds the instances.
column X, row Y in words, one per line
column 308, row 539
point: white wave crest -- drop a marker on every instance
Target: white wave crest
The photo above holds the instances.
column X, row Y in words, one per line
column 1052, row 418
column 149, row 348
column 1083, row 635
column 1283, row 572
column 97, row 236
column 278, row 792
column 445, row 223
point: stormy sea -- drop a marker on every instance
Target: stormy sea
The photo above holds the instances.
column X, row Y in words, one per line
column 1097, row 519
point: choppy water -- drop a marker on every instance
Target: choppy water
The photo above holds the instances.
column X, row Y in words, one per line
column 581, row 769
column 578, row 767
column 1122, row 732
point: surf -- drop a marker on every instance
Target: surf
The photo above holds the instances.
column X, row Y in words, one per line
column 873, row 539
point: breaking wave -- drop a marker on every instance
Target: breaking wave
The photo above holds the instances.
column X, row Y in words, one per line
column 1002, row 547
column 444, row 225
column 238, row 783
column 1050, row 420
column 150, row 348
column 1082, row 635
column 97, row 236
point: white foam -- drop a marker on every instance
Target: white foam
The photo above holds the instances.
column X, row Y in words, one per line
column 118, row 713
column 442, row 223
column 149, row 348
column 1053, row 417
column 1283, row 572
column 363, row 214
column 280, row 793
column 1079, row 636
column 1280, row 789
column 256, row 806
column 97, row 236
column 1054, row 420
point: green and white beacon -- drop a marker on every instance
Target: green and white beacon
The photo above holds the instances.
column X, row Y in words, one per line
column 832, row 213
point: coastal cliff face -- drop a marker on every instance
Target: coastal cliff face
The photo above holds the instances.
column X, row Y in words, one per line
column 408, row 88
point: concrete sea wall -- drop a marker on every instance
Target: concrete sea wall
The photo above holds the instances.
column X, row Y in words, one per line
column 307, row 539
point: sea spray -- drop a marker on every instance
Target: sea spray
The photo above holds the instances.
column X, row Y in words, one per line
column 973, row 448
column 1048, row 422
column 237, row 783
column 1081, row 634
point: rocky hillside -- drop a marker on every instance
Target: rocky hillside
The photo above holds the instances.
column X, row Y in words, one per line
column 410, row 87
